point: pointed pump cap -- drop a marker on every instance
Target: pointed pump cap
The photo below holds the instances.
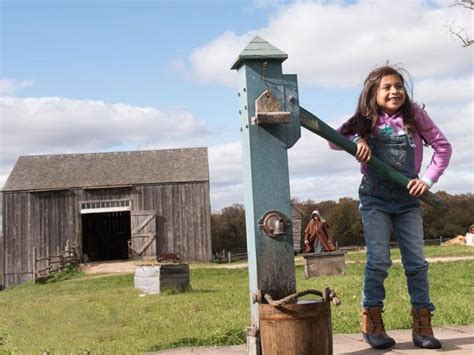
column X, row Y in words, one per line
column 258, row 48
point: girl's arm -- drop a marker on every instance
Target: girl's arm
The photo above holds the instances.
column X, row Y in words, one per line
column 440, row 158
column 436, row 139
column 351, row 136
column 354, row 129
column 363, row 153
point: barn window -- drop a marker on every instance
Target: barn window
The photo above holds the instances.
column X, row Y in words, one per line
column 105, row 206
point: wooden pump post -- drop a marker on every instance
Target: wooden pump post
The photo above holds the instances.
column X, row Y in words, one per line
column 269, row 116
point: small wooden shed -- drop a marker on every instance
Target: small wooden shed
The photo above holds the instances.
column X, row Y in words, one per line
column 104, row 203
column 297, row 215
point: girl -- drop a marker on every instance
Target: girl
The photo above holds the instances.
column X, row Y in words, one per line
column 389, row 126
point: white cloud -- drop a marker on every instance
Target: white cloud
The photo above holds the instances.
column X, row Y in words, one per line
column 455, row 183
column 322, row 189
column 51, row 125
column 312, row 156
column 226, row 176
column 212, row 63
column 444, row 90
column 226, row 164
column 336, row 44
column 10, row 86
column 320, row 173
column 457, row 123
column 224, row 196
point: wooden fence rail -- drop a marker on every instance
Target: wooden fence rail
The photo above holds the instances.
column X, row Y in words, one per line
column 44, row 266
column 225, row 256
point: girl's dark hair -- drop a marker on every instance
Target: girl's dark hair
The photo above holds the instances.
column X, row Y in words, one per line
column 368, row 110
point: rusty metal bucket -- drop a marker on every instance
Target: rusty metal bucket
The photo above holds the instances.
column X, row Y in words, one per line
column 303, row 328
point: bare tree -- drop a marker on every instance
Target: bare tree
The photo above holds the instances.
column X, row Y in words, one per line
column 461, row 33
column 468, row 4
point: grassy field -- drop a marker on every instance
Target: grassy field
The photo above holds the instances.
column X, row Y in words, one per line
column 78, row 312
column 430, row 252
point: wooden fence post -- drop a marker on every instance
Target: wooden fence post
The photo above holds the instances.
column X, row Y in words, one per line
column 48, row 260
column 34, row 265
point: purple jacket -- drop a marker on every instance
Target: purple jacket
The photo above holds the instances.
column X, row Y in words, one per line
column 425, row 127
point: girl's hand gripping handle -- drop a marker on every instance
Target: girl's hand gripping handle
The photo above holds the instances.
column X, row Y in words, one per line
column 417, row 187
column 363, row 152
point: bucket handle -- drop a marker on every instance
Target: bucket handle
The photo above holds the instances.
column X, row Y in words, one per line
column 327, row 295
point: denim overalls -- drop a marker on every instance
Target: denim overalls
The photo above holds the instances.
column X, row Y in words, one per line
column 385, row 206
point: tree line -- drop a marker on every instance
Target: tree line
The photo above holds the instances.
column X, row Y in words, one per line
column 228, row 226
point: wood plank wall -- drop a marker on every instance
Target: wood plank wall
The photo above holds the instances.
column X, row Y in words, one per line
column 296, row 219
column 1, row 259
column 14, row 246
column 183, row 218
column 51, row 218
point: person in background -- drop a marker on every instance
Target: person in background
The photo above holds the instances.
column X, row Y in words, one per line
column 316, row 235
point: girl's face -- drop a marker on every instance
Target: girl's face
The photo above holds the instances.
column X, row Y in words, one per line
column 391, row 94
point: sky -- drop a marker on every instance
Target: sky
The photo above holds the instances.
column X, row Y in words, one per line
column 101, row 76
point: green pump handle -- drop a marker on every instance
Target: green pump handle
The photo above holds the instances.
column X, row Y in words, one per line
column 318, row 126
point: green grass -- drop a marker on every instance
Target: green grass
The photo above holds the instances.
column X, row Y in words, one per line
column 446, row 280
column 76, row 312
column 107, row 315
column 430, row 252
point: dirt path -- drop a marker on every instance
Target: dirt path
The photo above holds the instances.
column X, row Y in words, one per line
column 128, row 267
column 112, row 267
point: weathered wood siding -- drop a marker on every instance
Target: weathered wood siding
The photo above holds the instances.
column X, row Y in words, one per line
column 296, row 218
column 2, row 244
column 143, row 225
column 1, row 261
column 183, row 218
column 34, row 220
column 16, row 240
column 50, row 218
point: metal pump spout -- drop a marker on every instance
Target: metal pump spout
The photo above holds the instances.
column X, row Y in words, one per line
column 274, row 223
column 280, row 228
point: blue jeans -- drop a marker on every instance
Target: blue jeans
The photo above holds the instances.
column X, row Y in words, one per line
column 382, row 211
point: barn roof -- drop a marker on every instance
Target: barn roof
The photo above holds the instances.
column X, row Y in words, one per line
column 96, row 170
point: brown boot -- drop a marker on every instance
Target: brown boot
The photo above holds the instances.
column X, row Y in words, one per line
column 423, row 336
column 373, row 330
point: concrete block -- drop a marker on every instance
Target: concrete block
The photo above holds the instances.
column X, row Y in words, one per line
column 320, row 264
column 156, row 278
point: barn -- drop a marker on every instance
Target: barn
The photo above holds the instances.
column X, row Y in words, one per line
column 111, row 206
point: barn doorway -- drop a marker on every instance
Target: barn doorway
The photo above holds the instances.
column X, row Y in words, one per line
column 105, row 235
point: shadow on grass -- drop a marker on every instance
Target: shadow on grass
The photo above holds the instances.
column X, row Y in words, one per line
column 202, row 290
column 175, row 291
column 68, row 273
column 218, row 338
